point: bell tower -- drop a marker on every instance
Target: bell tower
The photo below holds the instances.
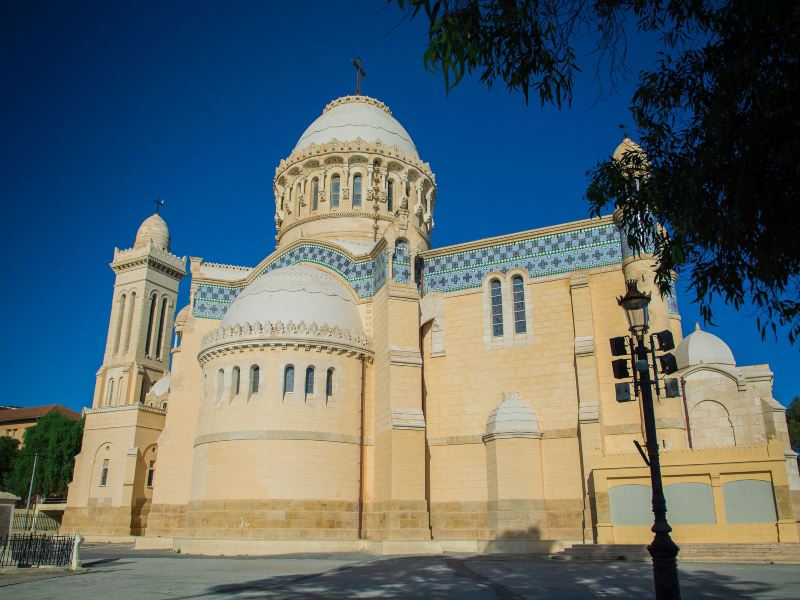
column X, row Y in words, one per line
column 142, row 311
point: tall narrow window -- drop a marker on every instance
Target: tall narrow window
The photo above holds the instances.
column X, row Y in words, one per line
column 119, row 391
column 235, row 381
column 288, row 379
column 110, row 399
column 254, row 376
column 153, row 303
column 314, row 193
column 120, row 319
column 329, row 386
column 289, row 199
column 129, row 321
column 151, row 473
column 497, row 309
column 299, row 196
column 390, row 195
column 159, row 338
column 220, row 383
column 336, row 186
column 518, row 287
column 104, row 472
column 357, row 190
column 309, row 381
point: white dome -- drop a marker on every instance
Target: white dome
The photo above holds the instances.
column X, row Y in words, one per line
column 512, row 416
column 702, row 347
column 296, row 293
column 153, row 229
column 351, row 117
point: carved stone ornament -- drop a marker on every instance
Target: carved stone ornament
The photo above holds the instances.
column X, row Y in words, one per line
column 404, row 202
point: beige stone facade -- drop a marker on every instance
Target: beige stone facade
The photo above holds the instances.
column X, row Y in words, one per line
column 358, row 389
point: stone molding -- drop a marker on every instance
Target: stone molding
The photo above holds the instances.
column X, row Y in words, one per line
column 277, row 434
column 124, row 407
column 507, row 435
column 584, row 345
column 408, row 418
column 269, row 334
column 404, row 357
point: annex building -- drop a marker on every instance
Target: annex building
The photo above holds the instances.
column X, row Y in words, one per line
column 358, row 388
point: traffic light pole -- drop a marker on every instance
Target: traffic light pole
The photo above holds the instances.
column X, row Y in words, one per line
column 663, row 550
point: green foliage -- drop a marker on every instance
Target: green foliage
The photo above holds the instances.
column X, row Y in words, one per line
column 57, row 440
column 716, row 197
column 9, row 448
column 793, row 422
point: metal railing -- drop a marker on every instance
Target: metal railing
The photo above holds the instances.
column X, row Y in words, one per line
column 34, row 522
column 31, row 550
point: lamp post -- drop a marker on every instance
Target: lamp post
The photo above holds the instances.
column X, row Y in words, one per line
column 663, row 550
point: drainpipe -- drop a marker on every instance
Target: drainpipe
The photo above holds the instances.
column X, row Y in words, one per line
column 686, row 413
column 361, row 455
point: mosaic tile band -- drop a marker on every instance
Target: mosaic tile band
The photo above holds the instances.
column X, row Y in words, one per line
column 401, row 265
column 548, row 255
column 365, row 277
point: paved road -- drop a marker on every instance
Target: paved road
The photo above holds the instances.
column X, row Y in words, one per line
column 118, row 572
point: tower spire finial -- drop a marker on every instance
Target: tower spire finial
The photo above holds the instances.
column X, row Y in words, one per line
column 360, row 72
column 159, row 203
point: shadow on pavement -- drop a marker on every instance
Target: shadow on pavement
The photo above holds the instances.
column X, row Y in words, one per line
column 434, row 577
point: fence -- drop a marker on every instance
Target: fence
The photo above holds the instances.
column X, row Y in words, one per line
column 31, row 550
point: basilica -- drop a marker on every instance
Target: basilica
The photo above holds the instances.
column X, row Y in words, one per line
column 359, row 389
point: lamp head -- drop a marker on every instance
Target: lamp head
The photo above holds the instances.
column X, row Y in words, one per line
column 635, row 305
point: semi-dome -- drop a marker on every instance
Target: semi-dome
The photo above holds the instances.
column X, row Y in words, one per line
column 153, row 229
column 296, row 293
column 161, row 387
column 351, row 117
column 513, row 416
column 702, row 347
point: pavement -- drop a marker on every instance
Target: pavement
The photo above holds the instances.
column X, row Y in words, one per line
column 116, row 571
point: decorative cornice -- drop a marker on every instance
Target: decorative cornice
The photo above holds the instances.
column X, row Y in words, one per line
column 123, row 408
column 151, row 256
column 331, row 215
column 358, row 98
column 279, row 334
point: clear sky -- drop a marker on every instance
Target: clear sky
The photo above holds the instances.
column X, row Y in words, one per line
column 106, row 105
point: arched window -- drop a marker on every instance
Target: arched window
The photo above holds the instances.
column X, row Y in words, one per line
column 119, row 391
column 110, row 399
column 314, row 193
column 151, row 473
column 153, row 303
column 104, row 472
column 497, row 308
column 288, row 379
column 336, row 186
column 254, row 375
column 120, row 319
column 518, row 287
column 390, row 195
column 289, row 198
column 235, row 381
column 299, row 196
column 164, row 405
column 329, row 386
column 159, row 338
column 357, row 190
column 309, row 381
column 220, row 383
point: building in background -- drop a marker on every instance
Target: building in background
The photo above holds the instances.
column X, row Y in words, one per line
column 359, row 389
column 15, row 421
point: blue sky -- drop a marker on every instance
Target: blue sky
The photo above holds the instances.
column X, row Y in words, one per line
column 107, row 105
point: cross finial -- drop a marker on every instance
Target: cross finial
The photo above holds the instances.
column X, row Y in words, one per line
column 360, row 72
column 159, row 203
column 624, row 130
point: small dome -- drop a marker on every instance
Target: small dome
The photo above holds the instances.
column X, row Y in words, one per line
column 512, row 416
column 297, row 293
column 351, row 117
column 161, row 387
column 702, row 347
column 627, row 145
column 154, row 229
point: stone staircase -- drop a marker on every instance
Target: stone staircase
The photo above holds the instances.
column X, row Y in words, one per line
column 788, row 554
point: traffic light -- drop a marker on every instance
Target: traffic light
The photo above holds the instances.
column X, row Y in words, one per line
column 620, row 368
column 623, row 392
column 665, row 340
column 668, row 364
column 672, row 387
column 619, row 346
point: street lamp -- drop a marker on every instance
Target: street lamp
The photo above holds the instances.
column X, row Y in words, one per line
column 663, row 550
